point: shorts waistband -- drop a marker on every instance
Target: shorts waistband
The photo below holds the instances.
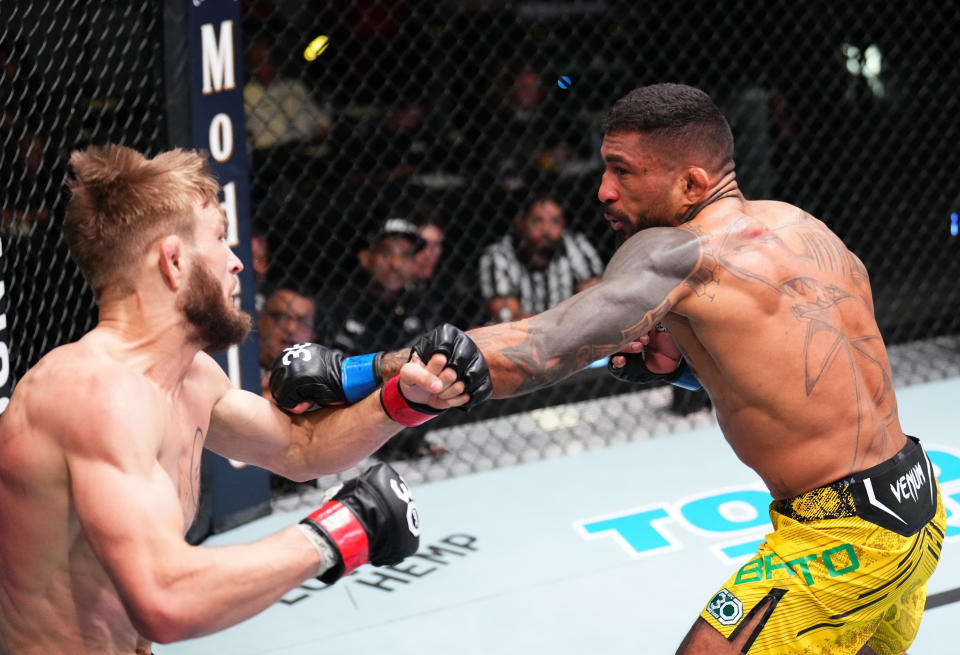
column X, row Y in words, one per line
column 894, row 494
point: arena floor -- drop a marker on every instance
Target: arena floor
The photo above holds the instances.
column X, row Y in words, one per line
column 610, row 547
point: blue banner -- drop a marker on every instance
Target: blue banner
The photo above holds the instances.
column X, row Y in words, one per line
column 216, row 107
column 210, row 56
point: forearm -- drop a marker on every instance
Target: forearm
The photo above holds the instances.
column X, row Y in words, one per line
column 332, row 440
column 528, row 354
column 391, row 362
column 202, row 590
column 532, row 353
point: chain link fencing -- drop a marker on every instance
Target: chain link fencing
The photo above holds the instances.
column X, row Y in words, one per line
column 456, row 114
column 72, row 74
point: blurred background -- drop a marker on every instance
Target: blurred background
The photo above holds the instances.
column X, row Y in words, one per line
column 418, row 162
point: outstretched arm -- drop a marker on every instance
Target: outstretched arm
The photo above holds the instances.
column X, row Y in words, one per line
column 647, row 277
column 250, row 428
column 446, row 371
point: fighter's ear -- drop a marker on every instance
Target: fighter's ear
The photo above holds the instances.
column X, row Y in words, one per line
column 696, row 183
column 170, row 251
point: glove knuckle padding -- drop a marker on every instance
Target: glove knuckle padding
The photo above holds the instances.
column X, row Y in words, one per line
column 383, row 504
column 463, row 356
column 307, row 372
column 439, row 340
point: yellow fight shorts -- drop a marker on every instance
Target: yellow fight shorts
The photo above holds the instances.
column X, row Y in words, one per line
column 846, row 565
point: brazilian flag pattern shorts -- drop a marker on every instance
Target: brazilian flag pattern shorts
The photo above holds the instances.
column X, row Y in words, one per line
column 846, row 565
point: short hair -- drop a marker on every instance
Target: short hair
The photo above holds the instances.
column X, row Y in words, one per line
column 298, row 279
column 676, row 114
column 539, row 196
column 122, row 202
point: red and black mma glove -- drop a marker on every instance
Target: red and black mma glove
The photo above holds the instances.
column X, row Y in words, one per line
column 309, row 371
column 371, row 518
column 462, row 355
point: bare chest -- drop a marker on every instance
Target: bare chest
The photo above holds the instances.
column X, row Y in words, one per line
column 181, row 454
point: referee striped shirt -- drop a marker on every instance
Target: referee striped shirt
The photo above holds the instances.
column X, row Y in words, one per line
column 504, row 274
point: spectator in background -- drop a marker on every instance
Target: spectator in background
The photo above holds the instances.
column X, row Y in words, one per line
column 286, row 319
column 388, row 147
column 382, row 307
column 425, row 261
column 446, row 295
column 378, row 306
column 27, row 202
column 30, row 165
column 536, row 134
column 279, row 110
column 538, row 265
column 259, row 261
column 260, row 253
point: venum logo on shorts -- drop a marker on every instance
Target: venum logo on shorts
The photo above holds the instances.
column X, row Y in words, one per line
column 907, row 485
column 725, row 608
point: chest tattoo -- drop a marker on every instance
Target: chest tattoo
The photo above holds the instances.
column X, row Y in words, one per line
column 195, row 456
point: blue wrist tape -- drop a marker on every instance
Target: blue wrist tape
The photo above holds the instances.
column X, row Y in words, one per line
column 358, row 376
column 687, row 380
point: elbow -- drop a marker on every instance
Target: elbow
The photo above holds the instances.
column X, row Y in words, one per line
column 304, row 476
column 293, row 467
column 156, row 617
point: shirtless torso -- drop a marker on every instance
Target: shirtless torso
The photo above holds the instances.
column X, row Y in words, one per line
column 99, row 481
column 100, row 445
column 778, row 324
column 54, row 583
column 774, row 316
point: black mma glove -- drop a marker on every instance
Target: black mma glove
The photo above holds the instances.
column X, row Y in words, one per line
column 309, row 371
column 372, row 518
column 462, row 355
column 636, row 371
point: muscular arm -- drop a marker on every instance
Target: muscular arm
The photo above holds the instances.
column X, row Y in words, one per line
column 646, row 278
column 131, row 516
column 251, row 429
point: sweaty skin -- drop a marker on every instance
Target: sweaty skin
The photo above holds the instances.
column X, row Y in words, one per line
column 774, row 316
column 771, row 311
column 100, row 464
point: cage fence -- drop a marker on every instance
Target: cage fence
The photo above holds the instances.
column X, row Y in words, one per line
column 456, row 115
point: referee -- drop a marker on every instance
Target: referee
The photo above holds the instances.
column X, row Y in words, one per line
column 538, row 265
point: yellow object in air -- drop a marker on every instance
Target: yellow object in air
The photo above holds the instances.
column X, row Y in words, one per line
column 316, row 47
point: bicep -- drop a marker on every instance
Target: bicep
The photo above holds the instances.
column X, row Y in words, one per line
column 249, row 428
column 643, row 282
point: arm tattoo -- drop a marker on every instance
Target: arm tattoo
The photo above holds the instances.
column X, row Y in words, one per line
column 542, row 359
column 642, row 282
column 703, row 279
